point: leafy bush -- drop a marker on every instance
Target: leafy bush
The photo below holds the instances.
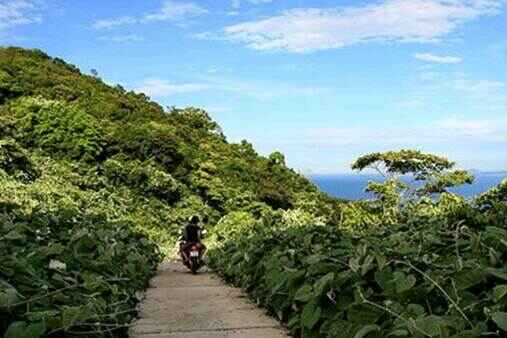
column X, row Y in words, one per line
column 425, row 279
column 57, row 128
column 14, row 161
column 144, row 176
column 71, row 265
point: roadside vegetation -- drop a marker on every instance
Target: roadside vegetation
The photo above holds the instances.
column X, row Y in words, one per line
column 417, row 261
column 96, row 182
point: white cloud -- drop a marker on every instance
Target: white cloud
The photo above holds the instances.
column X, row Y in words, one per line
column 176, row 11
column 479, row 87
column 237, row 3
column 19, row 12
column 163, row 88
column 428, row 57
column 258, row 2
column 446, row 131
column 217, row 109
column 410, row 104
column 173, row 11
column 462, row 127
column 122, row 38
column 311, row 146
column 115, row 22
column 260, row 91
column 264, row 91
column 312, row 29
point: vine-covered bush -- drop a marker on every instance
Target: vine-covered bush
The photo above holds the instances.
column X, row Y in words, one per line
column 14, row 161
column 57, row 128
column 70, row 266
column 144, row 176
column 421, row 278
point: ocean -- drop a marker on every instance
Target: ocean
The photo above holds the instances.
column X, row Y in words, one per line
column 351, row 186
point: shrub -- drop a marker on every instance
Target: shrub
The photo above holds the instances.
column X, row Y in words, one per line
column 57, row 128
column 14, row 161
column 71, row 265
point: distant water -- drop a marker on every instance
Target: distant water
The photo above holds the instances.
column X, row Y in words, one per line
column 350, row 186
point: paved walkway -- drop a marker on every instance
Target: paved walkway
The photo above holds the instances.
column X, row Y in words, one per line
column 179, row 304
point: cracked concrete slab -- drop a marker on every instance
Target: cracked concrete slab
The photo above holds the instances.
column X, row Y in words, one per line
column 179, row 304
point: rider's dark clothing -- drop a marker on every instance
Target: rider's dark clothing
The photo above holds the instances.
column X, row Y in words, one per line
column 192, row 234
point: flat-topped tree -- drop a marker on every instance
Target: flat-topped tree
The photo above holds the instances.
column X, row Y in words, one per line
column 436, row 173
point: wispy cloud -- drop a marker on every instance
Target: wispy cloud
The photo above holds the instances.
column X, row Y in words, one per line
column 257, row 2
column 410, row 104
column 452, row 136
column 20, row 12
column 478, row 87
column 265, row 91
column 452, row 130
column 237, row 3
column 260, row 91
column 122, row 38
column 462, row 91
column 460, row 126
column 484, row 95
column 428, row 57
column 114, row 22
column 160, row 88
column 172, row 11
column 311, row 29
column 176, row 11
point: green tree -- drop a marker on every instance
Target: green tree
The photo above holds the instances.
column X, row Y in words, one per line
column 435, row 174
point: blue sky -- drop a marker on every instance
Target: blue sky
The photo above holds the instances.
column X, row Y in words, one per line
column 322, row 81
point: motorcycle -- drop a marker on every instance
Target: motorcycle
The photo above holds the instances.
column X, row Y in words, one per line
column 192, row 253
column 192, row 256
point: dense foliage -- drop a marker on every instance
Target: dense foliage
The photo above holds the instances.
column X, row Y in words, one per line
column 402, row 265
column 95, row 184
column 70, row 263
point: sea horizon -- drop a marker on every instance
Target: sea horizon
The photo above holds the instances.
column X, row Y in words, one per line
column 352, row 186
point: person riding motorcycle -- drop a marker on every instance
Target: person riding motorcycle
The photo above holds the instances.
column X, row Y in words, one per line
column 191, row 234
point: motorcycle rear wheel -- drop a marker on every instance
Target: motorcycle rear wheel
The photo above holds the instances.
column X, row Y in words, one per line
column 194, row 265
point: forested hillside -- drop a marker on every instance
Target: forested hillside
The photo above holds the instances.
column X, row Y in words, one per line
column 95, row 184
column 96, row 181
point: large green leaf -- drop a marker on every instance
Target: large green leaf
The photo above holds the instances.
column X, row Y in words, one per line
column 75, row 314
column 304, row 293
column 499, row 292
column 8, row 294
column 24, row 330
column 322, row 285
column 367, row 329
column 310, row 315
column 499, row 273
column 405, row 283
column 467, row 278
column 431, row 325
column 364, row 314
column 500, row 318
column 367, row 264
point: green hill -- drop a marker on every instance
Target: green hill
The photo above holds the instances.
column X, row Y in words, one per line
column 96, row 181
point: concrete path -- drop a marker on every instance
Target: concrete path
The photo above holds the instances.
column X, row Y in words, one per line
column 179, row 304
